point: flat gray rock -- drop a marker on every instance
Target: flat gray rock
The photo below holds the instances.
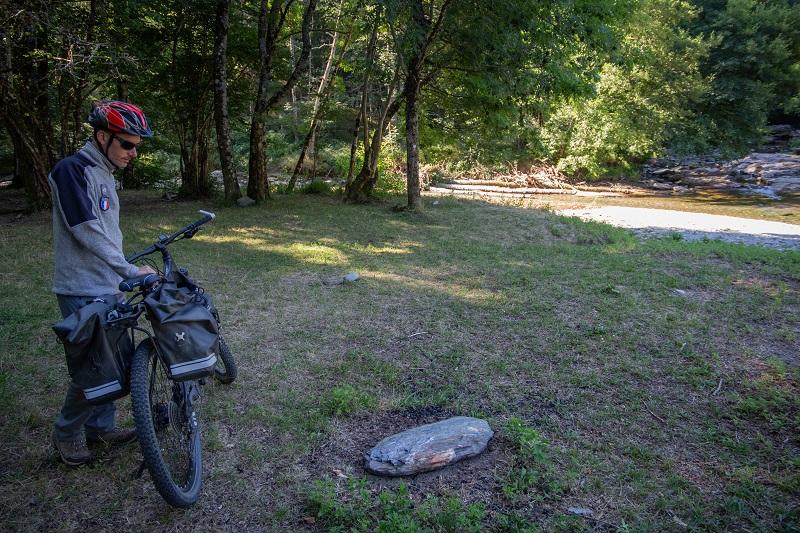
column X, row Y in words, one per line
column 332, row 281
column 429, row 447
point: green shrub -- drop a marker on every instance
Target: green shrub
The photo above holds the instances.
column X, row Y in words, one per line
column 355, row 508
column 317, row 187
column 346, row 400
column 157, row 169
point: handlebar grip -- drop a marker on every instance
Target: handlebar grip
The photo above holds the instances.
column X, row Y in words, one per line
column 145, row 280
column 209, row 214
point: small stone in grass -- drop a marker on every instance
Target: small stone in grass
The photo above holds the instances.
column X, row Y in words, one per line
column 332, row 281
column 580, row 511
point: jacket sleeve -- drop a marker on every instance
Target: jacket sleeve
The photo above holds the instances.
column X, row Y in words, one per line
column 75, row 206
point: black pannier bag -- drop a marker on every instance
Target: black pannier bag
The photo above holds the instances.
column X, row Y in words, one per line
column 98, row 356
column 183, row 323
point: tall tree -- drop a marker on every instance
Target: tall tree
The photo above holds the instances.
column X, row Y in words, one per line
column 271, row 22
column 754, row 65
column 24, row 96
column 361, row 115
column 360, row 188
column 331, row 64
column 381, row 99
column 190, row 71
column 421, row 30
column 231, row 183
column 642, row 100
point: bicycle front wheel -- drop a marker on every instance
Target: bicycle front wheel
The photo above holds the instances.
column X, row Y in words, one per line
column 225, row 371
column 167, row 427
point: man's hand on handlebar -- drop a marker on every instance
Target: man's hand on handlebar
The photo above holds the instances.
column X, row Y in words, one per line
column 145, row 269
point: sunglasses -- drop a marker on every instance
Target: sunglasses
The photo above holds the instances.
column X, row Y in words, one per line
column 127, row 145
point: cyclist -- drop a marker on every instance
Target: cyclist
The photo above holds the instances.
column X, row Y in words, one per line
column 89, row 262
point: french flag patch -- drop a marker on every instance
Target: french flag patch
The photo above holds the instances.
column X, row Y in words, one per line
column 105, row 203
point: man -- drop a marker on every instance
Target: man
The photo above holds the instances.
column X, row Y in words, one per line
column 89, row 262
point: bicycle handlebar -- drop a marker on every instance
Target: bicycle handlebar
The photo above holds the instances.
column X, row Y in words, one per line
column 186, row 232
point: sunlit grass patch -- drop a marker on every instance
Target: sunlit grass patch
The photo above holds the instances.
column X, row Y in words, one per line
column 653, row 383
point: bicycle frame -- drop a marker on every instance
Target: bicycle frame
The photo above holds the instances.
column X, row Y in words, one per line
column 163, row 407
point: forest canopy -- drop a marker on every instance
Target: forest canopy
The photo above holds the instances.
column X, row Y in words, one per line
column 370, row 91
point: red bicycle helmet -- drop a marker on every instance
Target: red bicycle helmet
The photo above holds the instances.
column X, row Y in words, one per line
column 119, row 117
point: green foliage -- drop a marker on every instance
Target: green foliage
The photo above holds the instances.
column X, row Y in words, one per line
column 754, row 65
column 528, row 442
column 594, row 87
column 317, row 187
column 157, row 169
column 640, row 100
column 533, row 473
column 356, row 508
column 346, row 400
column 501, row 82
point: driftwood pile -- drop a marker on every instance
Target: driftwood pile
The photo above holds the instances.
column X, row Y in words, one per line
column 540, row 179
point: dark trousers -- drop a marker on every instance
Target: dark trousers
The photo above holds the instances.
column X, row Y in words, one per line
column 78, row 413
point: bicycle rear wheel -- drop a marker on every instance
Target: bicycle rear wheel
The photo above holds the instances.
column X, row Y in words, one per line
column 167, row 427
column 225, row 370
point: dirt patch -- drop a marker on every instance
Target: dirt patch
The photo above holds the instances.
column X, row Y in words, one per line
column 341, row 456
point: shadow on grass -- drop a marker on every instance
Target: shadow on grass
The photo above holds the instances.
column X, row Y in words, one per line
column 612, row 349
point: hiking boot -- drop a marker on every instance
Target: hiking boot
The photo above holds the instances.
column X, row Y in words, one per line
column 115, row 436
column 72, row 452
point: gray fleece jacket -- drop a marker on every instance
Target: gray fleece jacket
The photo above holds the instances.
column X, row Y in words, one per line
column 88, row 242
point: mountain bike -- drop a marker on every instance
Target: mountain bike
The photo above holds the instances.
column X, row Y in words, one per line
column 165, row 407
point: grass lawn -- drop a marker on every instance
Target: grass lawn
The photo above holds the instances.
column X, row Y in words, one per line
column 654, row 383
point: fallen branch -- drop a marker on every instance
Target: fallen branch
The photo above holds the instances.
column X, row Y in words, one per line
column 719, row 388
column 495, row 188
column 523, row 192
column 654, row 415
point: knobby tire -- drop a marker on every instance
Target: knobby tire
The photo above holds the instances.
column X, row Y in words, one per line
column 170, row 439
column 225, row 371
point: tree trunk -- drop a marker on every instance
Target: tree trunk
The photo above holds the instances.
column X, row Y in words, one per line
column 413, row 82
column 64, row 104
column 82, row 80
column 257, row 184
column 33, row 162
column 270, row 24
column 360, row 189
column 231, row 184
column 353, row 147
column 195, row 139
column 412, row 143
column 298, row 167
column 362, row 112
column 24, row 112
column 129, row 178
column 321, row 95
column 295, row 110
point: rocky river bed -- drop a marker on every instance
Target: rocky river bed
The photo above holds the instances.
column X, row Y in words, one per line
column 771, row 172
